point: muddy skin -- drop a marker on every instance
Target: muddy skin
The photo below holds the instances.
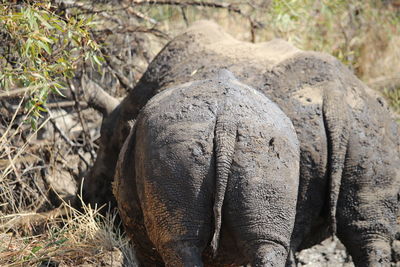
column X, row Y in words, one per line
column 209, row 165
column 349, row 165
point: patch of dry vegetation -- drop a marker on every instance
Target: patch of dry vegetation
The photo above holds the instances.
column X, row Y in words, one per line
column 365, row 35
column 32, row 233
column 18, row 165
column 67, row 237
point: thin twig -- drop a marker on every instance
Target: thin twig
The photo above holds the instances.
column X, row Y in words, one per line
column 185, row 19
column 86, row 133
column 65, row 104
column 22, row 149
column 131, row 29
column 140, row 15
column 61, row 132
column 223, row 5
column 20, row 91
column 66, row 138
column 220, row 5
column 121, row 78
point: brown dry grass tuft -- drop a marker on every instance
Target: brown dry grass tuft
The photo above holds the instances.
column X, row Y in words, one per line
column 17, row 190
column 68, row 237
column 32, row 231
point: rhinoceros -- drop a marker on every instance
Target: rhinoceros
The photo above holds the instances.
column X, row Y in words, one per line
column 207, row 151
column 349, row 146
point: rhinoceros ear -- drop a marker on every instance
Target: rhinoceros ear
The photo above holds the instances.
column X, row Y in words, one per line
column 97, row 97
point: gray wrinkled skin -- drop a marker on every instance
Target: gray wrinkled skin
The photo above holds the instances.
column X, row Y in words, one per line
column 200, row 145
column 349, row 158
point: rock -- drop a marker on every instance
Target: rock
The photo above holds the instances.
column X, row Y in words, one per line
column 63, row 185
column 330, row 253
column 63, row 120
column 396, row 251
column 49, row 263
column 112, row 258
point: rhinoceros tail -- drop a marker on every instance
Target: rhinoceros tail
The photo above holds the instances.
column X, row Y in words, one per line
column 224, row 145
column 336, row 121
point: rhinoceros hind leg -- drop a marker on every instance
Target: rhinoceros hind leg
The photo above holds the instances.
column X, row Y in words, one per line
column 182, row 254
column 269, row 255
column 291, row 259
column 373, row 251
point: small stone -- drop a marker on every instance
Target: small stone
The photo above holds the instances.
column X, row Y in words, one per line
column 48, row 263
column 396, row 250
column 398, row 230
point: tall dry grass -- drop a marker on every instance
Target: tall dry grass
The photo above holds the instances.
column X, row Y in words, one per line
column 69, row 238
column 364, row 35
column 30, row 233
column 16, row 187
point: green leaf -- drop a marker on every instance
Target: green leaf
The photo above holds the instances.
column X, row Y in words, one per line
column 57, row 242
column 61, row 241
column 31, row 19
column 44, row 46
column 98, row 60
column 33, row 123
column 43, row 21
column 38, row 75
column 58, row 26
column 35, row 31
column 56, row 90
column 41, row 108
column 28, row 46
column 59, row 85
column 36, row 249
column 45, row 39
column 76, row 39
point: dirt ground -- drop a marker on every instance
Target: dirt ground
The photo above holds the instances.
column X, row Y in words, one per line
column 330, row 253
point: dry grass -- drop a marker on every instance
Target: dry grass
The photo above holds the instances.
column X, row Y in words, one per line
column 364, row 35
column 67, row 237
column 16, row 194
column 32, row 231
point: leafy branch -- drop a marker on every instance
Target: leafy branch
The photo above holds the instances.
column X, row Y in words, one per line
column 41, row 50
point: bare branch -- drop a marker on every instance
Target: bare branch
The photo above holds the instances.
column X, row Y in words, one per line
column 223, row 5
column 133, row 29
column 219, row 5
column 65, row 104
column 121, row 78
column 20, row 91
column 140, row 15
